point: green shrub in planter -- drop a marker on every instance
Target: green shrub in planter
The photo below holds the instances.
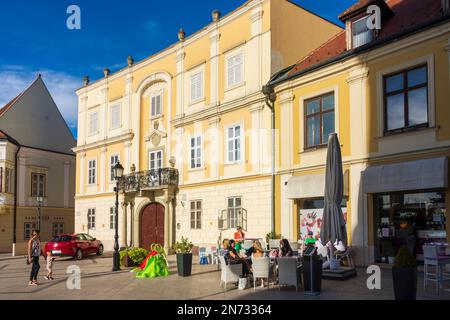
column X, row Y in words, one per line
column 184, row 256
column 133, row 256
column 404, row 275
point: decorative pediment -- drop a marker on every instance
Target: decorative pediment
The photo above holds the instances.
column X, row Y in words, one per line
column 155, row 136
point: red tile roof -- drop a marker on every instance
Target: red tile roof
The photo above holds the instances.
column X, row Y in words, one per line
column 409, row 15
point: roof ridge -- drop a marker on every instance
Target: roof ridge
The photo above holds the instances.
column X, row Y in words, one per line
column 11, row 103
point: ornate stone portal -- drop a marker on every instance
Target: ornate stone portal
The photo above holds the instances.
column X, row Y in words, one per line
column 140, row 189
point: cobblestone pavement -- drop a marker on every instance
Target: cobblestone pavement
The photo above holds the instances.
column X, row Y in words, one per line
column 99, row 282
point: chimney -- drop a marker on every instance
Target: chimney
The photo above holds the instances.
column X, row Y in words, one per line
column 445, row 6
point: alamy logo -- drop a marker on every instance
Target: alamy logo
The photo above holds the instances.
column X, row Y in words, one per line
column 74, row 280
column 374, row 280
column 74, row 20
column 374, row 20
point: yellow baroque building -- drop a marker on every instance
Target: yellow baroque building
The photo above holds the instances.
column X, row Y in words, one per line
column 385, row 92
column 190, row 128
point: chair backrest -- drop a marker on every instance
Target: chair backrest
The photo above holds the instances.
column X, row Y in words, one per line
column 430, row 252
column 261, row 267
column 294, row 245
column 202, row 251
column 274, row 244
column 287, row 270
column 247, row 244
column 213, row 249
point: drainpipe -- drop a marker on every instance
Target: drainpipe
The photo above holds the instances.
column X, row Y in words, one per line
column 270, row 98
column 16, row 157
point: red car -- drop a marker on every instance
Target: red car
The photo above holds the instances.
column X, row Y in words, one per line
column 76, row 246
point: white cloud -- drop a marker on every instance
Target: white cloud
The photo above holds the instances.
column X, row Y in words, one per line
column 62, row 86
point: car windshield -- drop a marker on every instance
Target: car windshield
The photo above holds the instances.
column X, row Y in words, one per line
column 62, row 239
column 88, row 237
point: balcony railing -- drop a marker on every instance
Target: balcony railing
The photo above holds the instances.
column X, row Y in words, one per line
column 150, row 179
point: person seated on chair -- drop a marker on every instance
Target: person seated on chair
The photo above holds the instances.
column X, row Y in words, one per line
column 234, row 258
column 310, row 240
column 285, row 248
column 255, row 250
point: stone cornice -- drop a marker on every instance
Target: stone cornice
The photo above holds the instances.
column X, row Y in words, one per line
column 104, row 143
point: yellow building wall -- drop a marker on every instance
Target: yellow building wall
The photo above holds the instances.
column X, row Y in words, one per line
column 291, row 33
column 441, row 84
column 116, row 89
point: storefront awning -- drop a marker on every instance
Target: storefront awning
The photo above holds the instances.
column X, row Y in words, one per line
column 412, row 175
column 310, row 186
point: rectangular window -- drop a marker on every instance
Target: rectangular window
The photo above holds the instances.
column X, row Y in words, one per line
column 112, row 218
column 319, row 120
column 1, row 180
column 57, row 229
column 112, row 162
column 92, row 171
column 155, row 159
column 156, row 105
column 197, row 86
column 116, row 121
column 406, row 99
column 235, row 69
column 93, row 123
column 234, row 212
column 196, row 214
column 91, row 219
column 234, row 137
column 28, row 228
column 361, row 33
column 38, row 181
column 196, row 152
column 8, row 180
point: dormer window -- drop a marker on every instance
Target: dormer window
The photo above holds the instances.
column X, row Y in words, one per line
column 361, row 34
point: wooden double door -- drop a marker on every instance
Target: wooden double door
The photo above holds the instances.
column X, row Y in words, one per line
column 152, row 225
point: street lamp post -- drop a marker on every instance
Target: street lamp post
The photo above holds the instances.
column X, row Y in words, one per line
column 118, row 174
column 39, row 200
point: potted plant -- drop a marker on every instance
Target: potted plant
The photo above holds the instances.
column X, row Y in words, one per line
column 132, row 257
column 184, row 257
column 272, row 236
column 404, row 275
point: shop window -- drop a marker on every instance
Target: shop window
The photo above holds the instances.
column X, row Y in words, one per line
column 411, row 218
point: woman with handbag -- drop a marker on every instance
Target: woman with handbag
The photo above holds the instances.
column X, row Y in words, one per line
column 34, row 252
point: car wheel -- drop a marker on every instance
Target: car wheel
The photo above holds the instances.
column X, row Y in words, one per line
column 100, row 250
column 79, row 254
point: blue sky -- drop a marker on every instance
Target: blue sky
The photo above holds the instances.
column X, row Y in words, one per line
column 35, row 39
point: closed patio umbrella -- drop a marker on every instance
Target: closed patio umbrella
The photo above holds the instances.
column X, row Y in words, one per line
column 333, row 224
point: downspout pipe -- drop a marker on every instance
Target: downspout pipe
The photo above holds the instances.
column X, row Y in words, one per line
column 16, row 162
column 270, row 98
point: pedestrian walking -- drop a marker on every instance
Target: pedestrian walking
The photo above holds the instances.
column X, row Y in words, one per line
column 34, row 252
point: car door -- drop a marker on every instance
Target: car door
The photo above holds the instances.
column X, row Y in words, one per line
column 82, row 243
column 90, row 244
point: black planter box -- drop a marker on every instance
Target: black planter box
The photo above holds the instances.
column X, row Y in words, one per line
column 127, row 262
column 316, row 265
column 405, row 283
column 184, row 264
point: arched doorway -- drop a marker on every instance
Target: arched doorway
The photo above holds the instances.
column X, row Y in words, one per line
column 152, row 225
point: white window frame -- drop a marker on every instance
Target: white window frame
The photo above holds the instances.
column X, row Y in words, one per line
column 111, row 166
column 41, row 189
column 93, row 169
column 119, row 117
column 155, row 95
column 235, row 82
column 235, row 212
column 112, row 218
column 91, row 217
column 197, row 214
column 301, row 107
column 93, row 130
column 368, row 31
column 197, row 147
column 242, row 143
column 150, row 152
column 197, row 86
column 429, row 61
